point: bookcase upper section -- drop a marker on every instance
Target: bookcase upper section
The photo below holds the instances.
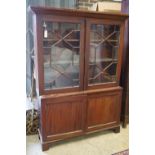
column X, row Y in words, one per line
column 77, row 50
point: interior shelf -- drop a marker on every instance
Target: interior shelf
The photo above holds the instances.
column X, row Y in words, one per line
column 69, row 40
column 75, row 47
column 61, row 63
column 99, row 40
column 104, row 60
column 74, row 62
column 109, row 77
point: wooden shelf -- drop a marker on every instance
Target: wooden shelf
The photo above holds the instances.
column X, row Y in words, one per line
column 108, row 77
column 105, row 60
column 96, row 45
column 46, row 47
column 74, row 47
column 99, row 40
column 74, row 62
column 69, row 40
column 63, row 63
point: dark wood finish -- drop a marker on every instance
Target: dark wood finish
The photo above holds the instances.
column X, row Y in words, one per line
column 45, row 146
column 120, row 51
column 39, row 52
column 78, row 13
column 63, row 15
column 63, row 116
column 103, row 110
column 84, row 92
column 71, row 112
column 125, row 69
column 117, row 129
column 69, row 115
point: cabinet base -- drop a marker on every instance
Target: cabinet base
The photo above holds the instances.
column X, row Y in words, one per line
column 117, row 129
column 125, row 121
column 89, row 112
column 46, row 145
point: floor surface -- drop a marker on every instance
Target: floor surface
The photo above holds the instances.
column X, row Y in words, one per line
column 103, row 143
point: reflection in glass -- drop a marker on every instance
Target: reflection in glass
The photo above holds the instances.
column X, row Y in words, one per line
column 61, row 44
column 104, row 44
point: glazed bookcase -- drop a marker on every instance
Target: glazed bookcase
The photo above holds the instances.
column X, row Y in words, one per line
column 78, row 57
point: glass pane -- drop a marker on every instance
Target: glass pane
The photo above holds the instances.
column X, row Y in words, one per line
column 104, row 44
column 61, row 46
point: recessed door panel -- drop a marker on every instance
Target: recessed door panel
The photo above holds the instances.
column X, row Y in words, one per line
column 103, row 110
column 65, row 116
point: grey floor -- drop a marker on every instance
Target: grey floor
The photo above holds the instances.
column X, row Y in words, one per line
column 103, row 143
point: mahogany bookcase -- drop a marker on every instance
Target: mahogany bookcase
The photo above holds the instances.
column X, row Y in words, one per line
column 78, row 57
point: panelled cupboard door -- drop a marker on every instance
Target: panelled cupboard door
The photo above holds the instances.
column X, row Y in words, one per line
column 103, row 110
column 60, row 53
column 63, row 117
column 104, row 41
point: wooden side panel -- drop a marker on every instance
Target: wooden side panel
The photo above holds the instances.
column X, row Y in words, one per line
column 64, row 117
column 103, row 110
column 125, row 68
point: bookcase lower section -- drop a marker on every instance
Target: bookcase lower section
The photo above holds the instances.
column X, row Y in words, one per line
column 70, row 115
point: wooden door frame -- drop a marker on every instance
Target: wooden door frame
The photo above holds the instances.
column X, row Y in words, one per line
column 87, row 49
column 39, row 51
